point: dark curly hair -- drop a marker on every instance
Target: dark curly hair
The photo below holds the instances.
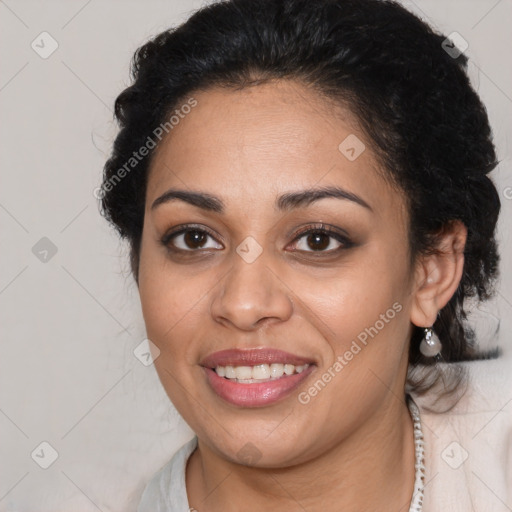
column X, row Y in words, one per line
column 412, row 98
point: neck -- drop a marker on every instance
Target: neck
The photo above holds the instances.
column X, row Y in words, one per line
column 373, row 469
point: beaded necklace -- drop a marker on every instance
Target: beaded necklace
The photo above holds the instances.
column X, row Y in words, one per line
column 419, row 465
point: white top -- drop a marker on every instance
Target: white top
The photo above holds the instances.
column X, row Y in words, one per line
column 467, row 451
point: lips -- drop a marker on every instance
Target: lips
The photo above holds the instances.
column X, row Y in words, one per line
column 253, row 357
column 250, row 393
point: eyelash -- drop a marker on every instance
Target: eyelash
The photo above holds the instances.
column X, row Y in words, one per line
column 319, row 228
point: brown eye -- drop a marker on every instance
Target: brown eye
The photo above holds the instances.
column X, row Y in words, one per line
column 189, row 240
column 194, row 239
column 318, row 241
column 321, row 240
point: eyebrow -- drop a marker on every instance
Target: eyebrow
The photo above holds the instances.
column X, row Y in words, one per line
column 285, row 202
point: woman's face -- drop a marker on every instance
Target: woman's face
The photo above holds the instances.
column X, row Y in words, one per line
column 245, row 276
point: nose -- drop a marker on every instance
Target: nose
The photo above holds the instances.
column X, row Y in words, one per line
column 251, row 294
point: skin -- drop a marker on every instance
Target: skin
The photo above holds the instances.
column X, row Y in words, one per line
column 351, row 447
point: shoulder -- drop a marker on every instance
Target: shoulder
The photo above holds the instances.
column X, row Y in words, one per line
column 166, row 490
column 468, row 449
column 488, row 388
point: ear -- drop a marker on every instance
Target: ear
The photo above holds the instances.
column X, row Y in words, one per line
column 438, row 275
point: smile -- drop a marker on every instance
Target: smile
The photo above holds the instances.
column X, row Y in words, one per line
column 258, row 373
column 255, row 377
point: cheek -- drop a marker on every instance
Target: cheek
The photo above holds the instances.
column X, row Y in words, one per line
column 355, row 297
column 171, row 307
column 362, row 312
column 165, row 300
column 168, row 307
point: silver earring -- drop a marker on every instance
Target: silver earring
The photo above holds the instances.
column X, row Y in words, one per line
column 430, row 345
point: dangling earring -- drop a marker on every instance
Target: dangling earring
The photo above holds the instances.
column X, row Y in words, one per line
column 430, row 345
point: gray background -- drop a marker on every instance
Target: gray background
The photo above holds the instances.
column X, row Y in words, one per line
column 70, row 321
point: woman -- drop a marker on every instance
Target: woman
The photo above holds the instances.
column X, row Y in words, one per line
column 304, row 187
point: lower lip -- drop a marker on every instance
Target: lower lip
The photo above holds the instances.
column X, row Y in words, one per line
column 256, row 394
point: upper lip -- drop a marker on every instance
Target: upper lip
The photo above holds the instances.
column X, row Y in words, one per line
column 252, row 357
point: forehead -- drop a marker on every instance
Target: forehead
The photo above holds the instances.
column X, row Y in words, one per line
column 252, row 144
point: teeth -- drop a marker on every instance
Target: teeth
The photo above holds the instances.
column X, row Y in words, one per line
column 259, row 372
column 289, row 369
column 276, row 370
column 243, row 372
